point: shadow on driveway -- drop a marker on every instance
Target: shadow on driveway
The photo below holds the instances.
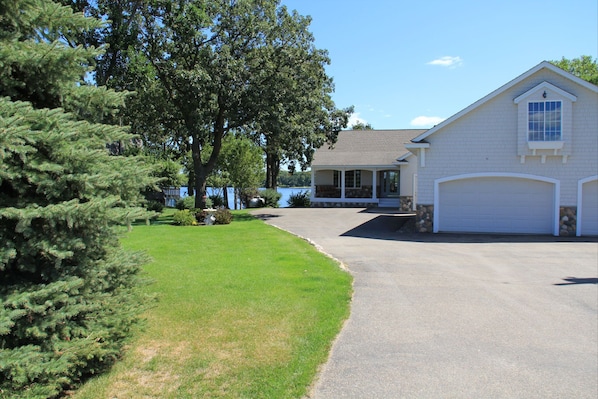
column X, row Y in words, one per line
column 401, row 227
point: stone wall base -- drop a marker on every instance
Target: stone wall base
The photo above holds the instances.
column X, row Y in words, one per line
column 406, row 204
column 568, row 221
column 424, row 219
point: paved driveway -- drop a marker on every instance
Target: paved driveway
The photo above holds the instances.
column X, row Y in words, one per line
column 456, row 316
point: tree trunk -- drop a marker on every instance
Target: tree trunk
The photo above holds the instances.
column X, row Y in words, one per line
column 272, row 170
column 203, row 170
column 191, row 183
column 225, row 196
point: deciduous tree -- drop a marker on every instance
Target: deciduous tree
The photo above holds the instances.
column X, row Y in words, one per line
column 296, row 113
column 584, row 67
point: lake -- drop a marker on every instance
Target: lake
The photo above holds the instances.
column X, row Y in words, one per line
column 286, row 194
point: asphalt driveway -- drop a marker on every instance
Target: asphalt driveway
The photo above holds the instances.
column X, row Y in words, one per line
column 456, row 316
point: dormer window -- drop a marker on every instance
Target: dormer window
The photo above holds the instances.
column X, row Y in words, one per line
column 544, row 121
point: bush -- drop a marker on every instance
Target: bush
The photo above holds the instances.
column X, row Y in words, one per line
column 217, row 201
column 184, row 218
column 271, row 197
column 185, row 203
column 189, row 203
column 223, row 216
column 299, row 200
column 155, row 206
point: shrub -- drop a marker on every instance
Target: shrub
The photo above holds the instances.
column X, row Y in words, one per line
column 299, row 200
column 247, row 194
column 217, row 201
column 223, row 216
column 155, row 206
column 271, row 197
column 184, row 218
column 185, row 203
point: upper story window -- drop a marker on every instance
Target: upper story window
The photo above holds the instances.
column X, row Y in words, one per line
column 544, row 121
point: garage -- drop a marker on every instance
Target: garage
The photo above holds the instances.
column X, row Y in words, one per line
column 495, row 204
column 587, row 224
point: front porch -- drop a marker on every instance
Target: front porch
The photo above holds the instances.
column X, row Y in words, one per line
column 358, row 188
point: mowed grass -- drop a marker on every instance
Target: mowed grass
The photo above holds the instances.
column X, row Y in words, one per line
column 244, row 311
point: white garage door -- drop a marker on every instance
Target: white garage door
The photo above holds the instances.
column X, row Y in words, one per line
column 496, row 205
column 589, row 211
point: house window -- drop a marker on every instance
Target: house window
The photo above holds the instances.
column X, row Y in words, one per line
column 544, row 121
column 352, row 179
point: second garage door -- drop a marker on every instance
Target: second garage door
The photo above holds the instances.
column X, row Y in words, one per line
column 496, row 205
column 589, row 210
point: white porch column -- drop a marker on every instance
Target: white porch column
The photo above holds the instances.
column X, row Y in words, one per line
column 343, row 184
column 312, row 194
column 374, row 183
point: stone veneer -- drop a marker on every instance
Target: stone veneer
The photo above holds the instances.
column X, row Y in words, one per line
column 406, row 204
column 567, row 221
column 424, row 219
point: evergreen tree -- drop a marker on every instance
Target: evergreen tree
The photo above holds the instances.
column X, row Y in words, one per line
column 69, row 293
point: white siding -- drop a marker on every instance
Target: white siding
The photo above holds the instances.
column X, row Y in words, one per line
column 485, row 140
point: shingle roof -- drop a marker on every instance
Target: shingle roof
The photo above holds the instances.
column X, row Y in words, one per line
column 366, row 147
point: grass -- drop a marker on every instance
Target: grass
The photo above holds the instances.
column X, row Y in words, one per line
column 244, row 311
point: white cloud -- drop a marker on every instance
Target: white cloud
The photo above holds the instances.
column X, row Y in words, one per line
column 355, row 119
column 426, row 121
column 447, row 61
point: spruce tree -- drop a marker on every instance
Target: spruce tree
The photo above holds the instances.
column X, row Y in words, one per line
column 69, row 294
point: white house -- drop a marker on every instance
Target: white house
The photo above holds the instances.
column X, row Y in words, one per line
column 523, row 159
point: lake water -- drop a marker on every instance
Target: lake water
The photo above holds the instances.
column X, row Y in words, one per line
column 286, row 194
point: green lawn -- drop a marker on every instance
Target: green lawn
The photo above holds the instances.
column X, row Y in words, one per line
column 244, row 311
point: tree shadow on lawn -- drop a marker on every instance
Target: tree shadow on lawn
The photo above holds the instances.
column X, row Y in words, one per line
column 399, row 227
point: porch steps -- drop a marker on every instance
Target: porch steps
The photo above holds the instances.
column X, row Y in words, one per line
column 389, row 203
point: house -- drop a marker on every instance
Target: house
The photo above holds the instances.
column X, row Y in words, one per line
column 362, row 169
column 523, row 159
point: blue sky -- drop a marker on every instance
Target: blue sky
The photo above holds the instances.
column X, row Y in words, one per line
column 410, row 64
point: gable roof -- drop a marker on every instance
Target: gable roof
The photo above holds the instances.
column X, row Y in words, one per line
column 365, row 148
column 502, row 89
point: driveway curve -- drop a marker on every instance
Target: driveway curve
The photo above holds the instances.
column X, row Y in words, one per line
column 455, row 316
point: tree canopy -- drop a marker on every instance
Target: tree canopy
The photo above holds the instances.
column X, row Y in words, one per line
column 584, row 67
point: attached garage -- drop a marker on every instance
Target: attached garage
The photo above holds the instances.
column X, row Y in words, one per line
column 496, row 204
column 587, row 221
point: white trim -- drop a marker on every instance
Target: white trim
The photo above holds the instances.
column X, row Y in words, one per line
column 580, row 184
column 502, row 89
column 557, row 192
column 545, row 86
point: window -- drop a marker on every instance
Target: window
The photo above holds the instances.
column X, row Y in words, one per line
column 352, row 178
column 544, row 121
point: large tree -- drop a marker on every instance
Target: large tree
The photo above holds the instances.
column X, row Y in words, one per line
column 69, row 292
column 204, row 62
column 296, row 113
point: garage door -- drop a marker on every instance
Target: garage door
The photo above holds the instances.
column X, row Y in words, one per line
column 496, row 205
column 589, row 210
